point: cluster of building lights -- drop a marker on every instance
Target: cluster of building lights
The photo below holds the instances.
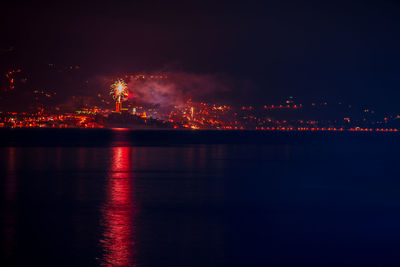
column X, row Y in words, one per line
column 357, row 129
column 190, row 115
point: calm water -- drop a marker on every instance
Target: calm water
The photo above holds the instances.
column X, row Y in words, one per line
column 293, row 201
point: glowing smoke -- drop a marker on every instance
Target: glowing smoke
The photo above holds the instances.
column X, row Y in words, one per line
column 177, row 88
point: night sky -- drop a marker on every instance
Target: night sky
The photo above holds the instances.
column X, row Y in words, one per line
column 313, row 50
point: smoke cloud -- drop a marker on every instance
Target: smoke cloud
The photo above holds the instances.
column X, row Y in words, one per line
column 175, row 88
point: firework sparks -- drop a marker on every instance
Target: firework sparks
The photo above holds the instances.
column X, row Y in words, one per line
column 119, row 90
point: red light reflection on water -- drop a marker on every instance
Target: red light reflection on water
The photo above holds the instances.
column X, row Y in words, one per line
column 118, row 212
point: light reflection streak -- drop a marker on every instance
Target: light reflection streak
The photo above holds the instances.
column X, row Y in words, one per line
column 118, row 242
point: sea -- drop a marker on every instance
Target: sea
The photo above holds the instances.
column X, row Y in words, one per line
column 120, row 197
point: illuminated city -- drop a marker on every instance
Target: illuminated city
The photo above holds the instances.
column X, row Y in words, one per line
column 188, row 114
column 200, row 133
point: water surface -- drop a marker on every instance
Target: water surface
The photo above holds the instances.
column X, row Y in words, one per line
column 293, row 201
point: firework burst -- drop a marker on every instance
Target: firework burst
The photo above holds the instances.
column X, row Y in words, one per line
column 119, row 91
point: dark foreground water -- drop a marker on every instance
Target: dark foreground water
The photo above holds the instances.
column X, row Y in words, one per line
column 118, row 198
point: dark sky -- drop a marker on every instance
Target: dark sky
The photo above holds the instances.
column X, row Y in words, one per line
column 348, row 50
